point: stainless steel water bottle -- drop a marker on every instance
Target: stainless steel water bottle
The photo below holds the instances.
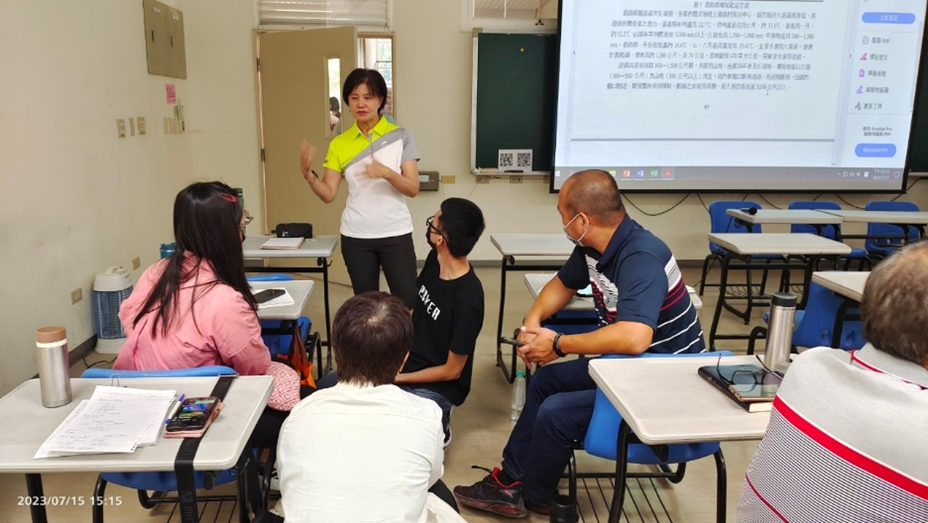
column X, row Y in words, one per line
column 780, row 331
column 54, row 366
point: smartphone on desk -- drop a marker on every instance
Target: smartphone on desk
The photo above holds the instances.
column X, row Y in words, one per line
column 194, row 413
column 268, row 294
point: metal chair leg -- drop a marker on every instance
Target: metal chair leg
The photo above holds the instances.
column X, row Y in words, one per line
column 721, row 500
column 98, row 492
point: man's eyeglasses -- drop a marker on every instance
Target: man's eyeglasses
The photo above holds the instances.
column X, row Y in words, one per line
column 431, row 226
column 749, row 377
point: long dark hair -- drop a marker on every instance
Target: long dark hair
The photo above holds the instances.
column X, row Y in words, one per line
column 207, row 216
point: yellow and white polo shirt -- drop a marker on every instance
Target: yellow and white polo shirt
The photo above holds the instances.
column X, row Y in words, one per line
column 375, row 209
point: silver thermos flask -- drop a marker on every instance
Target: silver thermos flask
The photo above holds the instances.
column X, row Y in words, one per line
column 780, row 331
column 52, row 359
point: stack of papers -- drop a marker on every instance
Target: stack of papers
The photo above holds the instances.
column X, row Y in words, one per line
column 282, row 243
column 115, row 420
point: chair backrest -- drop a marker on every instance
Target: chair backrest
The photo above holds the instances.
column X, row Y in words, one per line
column 270, row 277
column 818, row 322
column 721, row 222
column 210, row 370
column 808, row 205
column 886, row 229
column 604, row 425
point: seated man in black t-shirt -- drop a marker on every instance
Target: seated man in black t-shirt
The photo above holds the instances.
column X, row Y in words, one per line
column 449, row 313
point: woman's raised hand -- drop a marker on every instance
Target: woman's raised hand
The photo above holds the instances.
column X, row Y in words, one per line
column 307, row 154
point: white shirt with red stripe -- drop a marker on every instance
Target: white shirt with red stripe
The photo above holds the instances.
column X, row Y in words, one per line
column 847, row 443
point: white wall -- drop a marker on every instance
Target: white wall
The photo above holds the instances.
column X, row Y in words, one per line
column 74, row 199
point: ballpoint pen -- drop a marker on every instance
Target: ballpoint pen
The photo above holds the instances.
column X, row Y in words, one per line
column 175, row 408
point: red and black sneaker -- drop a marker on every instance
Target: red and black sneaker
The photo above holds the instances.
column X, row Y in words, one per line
column 493, row 496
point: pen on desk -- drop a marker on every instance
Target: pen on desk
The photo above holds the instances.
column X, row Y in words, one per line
column 175, row 408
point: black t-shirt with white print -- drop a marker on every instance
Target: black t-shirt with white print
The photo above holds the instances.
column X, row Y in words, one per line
column 448, row 317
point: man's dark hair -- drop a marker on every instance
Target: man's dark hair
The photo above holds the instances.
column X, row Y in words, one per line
column 207, row 218
column 371, row 336
column 372, row 79
column 894, row 307
column 594, row 192
column 462, row 224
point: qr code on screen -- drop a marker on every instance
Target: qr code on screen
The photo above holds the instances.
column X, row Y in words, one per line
column 505, row 160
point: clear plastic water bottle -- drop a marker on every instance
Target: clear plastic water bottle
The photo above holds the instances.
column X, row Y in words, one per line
column 518, row 394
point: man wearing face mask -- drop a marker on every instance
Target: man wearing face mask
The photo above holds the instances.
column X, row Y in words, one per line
column 448, row 314
column 642, row 304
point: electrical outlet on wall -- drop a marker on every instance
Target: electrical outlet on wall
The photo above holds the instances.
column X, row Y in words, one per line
column 141, row 122
column 515, row 179
column 77, row 295
column 136, row 262
column 483, row 179
column 121, row 128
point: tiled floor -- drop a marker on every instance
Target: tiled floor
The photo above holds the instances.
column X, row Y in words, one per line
column 481, row 427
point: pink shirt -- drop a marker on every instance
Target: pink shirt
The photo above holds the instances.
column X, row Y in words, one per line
column 226, row 331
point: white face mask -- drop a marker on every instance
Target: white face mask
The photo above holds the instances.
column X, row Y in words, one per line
column 576, row 242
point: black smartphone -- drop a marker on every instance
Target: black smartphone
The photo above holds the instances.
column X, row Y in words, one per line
column 511, row 341
column 193, row 414
column 268, row 295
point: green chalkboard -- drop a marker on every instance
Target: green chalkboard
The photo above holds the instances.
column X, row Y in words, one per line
column 515, row 100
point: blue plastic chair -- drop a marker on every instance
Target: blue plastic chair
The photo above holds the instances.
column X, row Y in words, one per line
column 883, row 247
column 721, row 222
column 815, row 326
column 603, row 432
column 162, row 482
column 828, row 231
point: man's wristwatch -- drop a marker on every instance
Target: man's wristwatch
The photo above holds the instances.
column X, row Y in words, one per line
column 557, row 345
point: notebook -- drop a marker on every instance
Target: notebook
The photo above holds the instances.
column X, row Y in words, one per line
column 283, row 243
column 750, row 386
column 115, row 420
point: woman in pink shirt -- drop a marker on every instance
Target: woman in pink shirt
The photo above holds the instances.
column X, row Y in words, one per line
column 195, row 308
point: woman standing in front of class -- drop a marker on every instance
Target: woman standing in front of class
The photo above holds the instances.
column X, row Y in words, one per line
column 379, row 160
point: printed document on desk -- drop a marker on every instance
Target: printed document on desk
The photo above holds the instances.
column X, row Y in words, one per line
column 113, row 420
column 282, row 243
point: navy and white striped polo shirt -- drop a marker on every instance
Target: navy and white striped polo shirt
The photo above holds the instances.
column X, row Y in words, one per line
column 637, row 279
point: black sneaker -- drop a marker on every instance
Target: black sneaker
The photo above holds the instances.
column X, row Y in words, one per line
column 491, row 495
column 447, row 437
column 544, row 509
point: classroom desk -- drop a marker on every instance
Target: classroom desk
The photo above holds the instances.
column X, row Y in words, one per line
column 848, row 285
column 785, row 217
column 664, row 401
column 534, row 281
column 222, row 447
column 898, row 218
column 741, row 247
column 320, row 247
column 524, row 245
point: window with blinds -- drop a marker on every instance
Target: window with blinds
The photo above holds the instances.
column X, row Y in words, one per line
column 365, row 14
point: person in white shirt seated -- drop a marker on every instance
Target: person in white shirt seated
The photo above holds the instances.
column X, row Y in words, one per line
column 848, row 434
column 365, row 450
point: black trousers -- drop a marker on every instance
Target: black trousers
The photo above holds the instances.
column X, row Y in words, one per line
column 396, row 255
column 267, row 431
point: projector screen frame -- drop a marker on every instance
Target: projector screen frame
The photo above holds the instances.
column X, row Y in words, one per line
column 921, row 72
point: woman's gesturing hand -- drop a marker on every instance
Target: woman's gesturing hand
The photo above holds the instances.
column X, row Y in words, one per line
column 307, row 153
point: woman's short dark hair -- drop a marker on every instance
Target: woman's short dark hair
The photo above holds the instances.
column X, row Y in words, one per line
column 372, row 79
column 462, row 224
column 207, row 219
column 371, row 336
column 894, row 307
column 334, row 106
